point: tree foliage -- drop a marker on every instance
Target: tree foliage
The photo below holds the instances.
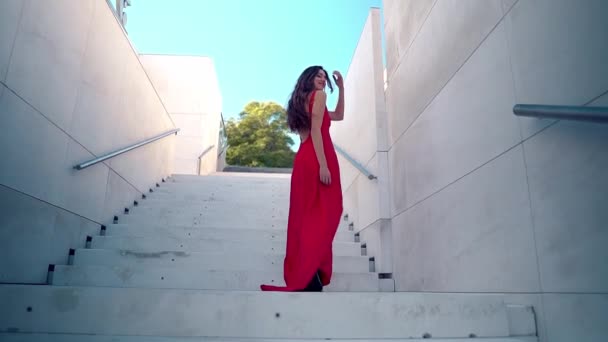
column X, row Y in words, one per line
column 259, row 137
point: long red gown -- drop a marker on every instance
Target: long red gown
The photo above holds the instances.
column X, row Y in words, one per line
column 314, row 214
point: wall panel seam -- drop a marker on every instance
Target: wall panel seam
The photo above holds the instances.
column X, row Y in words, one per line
column 449, row 80
column 68, row 135
column 405, row 53
column 472, row 171
column 10, row 57
column 48, row 203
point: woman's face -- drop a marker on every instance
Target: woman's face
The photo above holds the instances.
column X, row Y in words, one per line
column 320, row 80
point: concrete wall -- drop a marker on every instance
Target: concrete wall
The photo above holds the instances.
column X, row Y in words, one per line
column 189, row 89
column 362, row 135
column 71, row 89
column 483, row 201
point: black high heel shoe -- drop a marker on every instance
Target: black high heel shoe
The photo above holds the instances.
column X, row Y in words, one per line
column 315, row 284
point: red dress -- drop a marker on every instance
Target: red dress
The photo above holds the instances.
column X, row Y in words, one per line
column 315, row 210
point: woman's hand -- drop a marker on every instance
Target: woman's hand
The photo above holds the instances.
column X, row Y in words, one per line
column 324, row 175
column 338, row 79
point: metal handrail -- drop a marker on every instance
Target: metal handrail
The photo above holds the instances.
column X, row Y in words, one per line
column 206, row 151
column 124, row 150
column 223, row 144
column 355, row 163
column 579, row 113
column 198, row 169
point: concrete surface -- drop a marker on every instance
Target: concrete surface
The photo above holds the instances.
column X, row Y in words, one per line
column 568, row 197
column 169, row 312
column 192, row 277
column 162, row 243
column 457, row 135
column 189, row 89
column 233, row 233
column 467, row 237
column 9, row 17
column 363, row 135
column 34, row 234
column 88, row 96
column 450, row 34
column 482, row 200
column 228, row 260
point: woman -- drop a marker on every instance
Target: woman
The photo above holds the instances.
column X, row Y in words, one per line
column 315, row 203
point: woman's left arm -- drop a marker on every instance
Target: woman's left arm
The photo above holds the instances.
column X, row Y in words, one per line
column 338, row 113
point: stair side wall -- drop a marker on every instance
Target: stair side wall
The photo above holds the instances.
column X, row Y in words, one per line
column 71, row 88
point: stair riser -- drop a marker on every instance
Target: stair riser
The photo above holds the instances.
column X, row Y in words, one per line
column 189, row 208
column 215, row 221
column 210, row 210
column 236, row 216
column 233, row 234
column 205, row 208
column 219, row 189
column 219, row 194
column 205, row 261
column 202, row 216
column 233, row 182
column 168, row 312
column 232, row 185
column 193, row 278
column 194, row 199
column 208, row 246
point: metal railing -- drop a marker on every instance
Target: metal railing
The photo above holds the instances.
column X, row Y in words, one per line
column 124, row 150
column 223, row 136
column 205, row 152
column 579, row 113
column 355, row 163
column 200, row 158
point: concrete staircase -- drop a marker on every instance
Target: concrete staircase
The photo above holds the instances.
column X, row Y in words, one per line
column 186, row 262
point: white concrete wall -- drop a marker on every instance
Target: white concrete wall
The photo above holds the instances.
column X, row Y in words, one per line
column 362, row 135
column 189, row 88
column 71, row 89
column 483, row 201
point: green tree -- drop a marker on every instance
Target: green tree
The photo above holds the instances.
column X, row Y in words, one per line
column 259, row 138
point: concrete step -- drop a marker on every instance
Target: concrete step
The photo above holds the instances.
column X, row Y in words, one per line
column 241, row 197
column 234, row 176
column 245, row 234
column 183, row 208
column 224, row 182
column 220, row 192
column 215, row 220
column 244, row 197
column 226, row 186
column 99, row 338
column 271, row 315
column 159, row 243
column 229, row 184
column 156, row 203
column 206, row 261
column 172, row 209
column 219, row 189
column 192, row 277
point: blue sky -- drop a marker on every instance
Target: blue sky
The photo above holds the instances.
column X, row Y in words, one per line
column 259, row 47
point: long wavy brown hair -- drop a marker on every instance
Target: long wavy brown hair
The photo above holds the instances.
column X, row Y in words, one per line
column 298, row 118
